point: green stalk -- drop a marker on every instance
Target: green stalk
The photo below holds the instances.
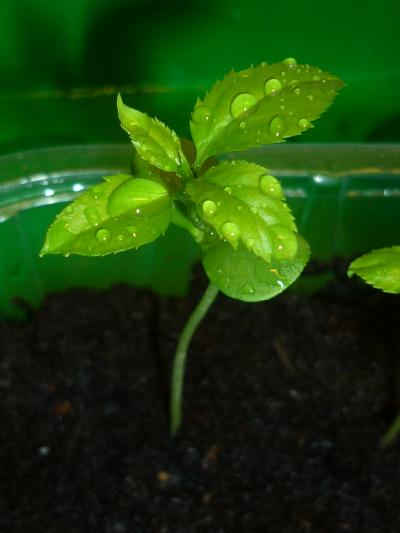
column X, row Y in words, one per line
column 391, row 433
column 181, row 220
column 178, row 368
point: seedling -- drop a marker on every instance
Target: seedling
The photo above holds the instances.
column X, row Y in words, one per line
column 381, row 269
column 235, row 210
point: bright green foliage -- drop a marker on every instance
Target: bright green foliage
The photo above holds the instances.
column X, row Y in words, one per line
column 242, row 203
column 154, row 141
column 242, row 275
column 251, row 250
column 260, row 105
column 118, row 214
column 380, row 268
column 234, row 210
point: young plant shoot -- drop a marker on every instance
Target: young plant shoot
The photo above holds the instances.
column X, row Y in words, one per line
column 235, row 210
column 381, row 269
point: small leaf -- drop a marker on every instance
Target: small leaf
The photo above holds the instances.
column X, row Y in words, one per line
column 260, row 105
column 380, row 268
column 244, row 204
column 118, row 214
column 242, row 275
column 153, row 140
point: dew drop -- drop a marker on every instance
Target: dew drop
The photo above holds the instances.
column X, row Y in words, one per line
column 310, row 97
column 250, row 243
column 282, row 107
column 228, row 190
column 138, row 211
column 316, row 78
column 254, row 210
column 132, row 231
column 297, row 91
column 242, row 103
column 269, row 185
column 276, row 126
column 103, row 235
column 242, row 125
column 284, row 242
column 293, row 83
column 248, row 289
column 290, row 62
column 304, row 124
column 92, row 215
column 120, row 237
column 231, row 232
column 202, row 114
column 95, row 195
column 209, row 208
column 272, row 87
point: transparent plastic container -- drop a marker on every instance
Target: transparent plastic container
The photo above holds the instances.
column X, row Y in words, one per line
column 346, row 200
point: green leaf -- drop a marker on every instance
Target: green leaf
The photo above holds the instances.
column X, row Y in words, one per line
column 118, row 214
column 380, row 268
column 153, row 140
column 242, row 275
column 260, row 105
column 242, row 203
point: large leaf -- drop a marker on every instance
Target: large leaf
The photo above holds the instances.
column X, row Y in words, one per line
column 118, row 214
column 242, row 275
column 260, row 105
column 153, row 140
column 244, row 204
column 380, row 268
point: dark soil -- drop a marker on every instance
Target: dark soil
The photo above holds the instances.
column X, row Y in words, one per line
column 285, row 404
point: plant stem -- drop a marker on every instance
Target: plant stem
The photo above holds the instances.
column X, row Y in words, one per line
column 181, row 220
column 178, row 368
column 391, row 433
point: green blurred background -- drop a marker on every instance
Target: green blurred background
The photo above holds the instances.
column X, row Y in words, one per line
column 62, row 63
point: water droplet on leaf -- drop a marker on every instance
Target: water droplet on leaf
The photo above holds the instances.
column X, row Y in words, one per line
column 284, row 242
column 243, row 103
column 297, row 91
column 272, row 87
column 290, row 62
column 231, row 232
column 242, row 125
column 248, row 289
column 310, row 97
column 209, row 208
column 269, row 185
column 202, row 114
column 250, row 243
column 228, row 190
column 304, row 124
column 103, row 235
column 277, row 126
column 132, row 230
column 92, row 215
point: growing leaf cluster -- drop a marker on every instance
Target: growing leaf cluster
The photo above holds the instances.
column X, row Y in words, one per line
column 235, row 210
